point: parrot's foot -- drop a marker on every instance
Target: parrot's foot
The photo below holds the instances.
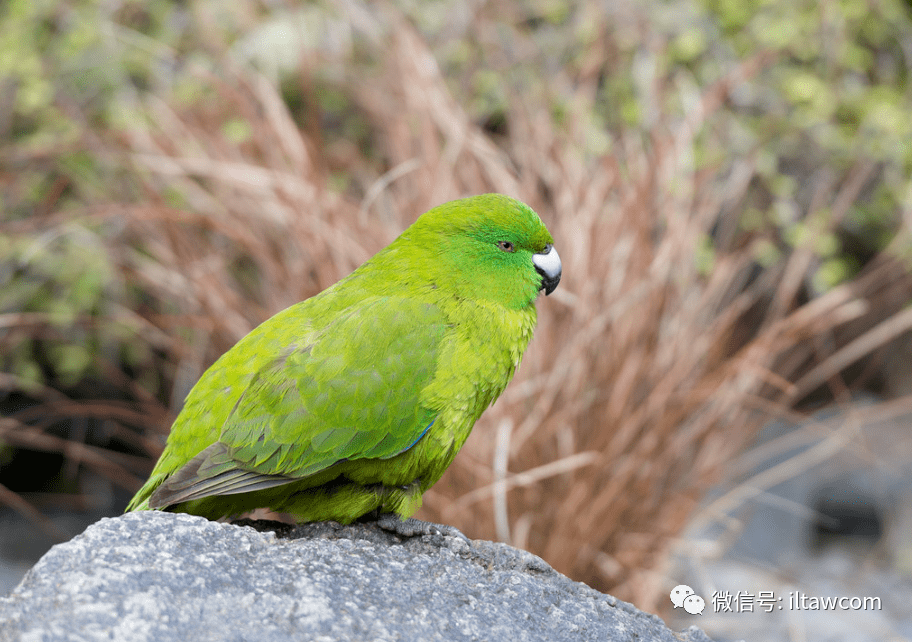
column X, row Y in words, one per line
column 411, row 527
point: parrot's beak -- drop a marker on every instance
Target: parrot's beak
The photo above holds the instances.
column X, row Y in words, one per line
column 548, row 264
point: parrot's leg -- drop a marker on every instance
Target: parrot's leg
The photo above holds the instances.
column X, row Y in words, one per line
column 400, row 501
column 411, row 527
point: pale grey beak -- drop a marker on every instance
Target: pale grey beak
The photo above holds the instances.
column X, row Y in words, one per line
column 548, row 264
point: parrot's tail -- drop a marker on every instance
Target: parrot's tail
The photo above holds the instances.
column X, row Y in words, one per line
column 143, row 505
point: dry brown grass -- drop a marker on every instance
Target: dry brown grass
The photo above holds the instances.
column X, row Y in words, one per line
column 647, row 373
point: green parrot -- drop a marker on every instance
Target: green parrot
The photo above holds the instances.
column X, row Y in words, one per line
column 354, row 402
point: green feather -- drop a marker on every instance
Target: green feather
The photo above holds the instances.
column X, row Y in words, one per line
column 359, row 398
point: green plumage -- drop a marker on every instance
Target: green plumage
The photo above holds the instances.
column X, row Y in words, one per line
column 358, row 399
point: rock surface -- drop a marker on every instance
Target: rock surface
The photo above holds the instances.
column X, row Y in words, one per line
column 162, row 576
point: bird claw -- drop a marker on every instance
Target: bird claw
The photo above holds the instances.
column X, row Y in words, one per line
column 411, row 527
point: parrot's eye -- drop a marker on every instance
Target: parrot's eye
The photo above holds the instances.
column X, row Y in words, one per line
column 506, row 246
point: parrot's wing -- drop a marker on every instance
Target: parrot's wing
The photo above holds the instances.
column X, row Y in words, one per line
column 350, row 391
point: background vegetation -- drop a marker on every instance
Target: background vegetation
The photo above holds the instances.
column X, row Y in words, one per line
column 729, row 185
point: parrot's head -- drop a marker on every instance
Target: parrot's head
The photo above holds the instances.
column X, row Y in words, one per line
column 489, row 247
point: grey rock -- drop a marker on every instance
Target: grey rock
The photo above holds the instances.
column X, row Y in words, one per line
column 161, row 576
